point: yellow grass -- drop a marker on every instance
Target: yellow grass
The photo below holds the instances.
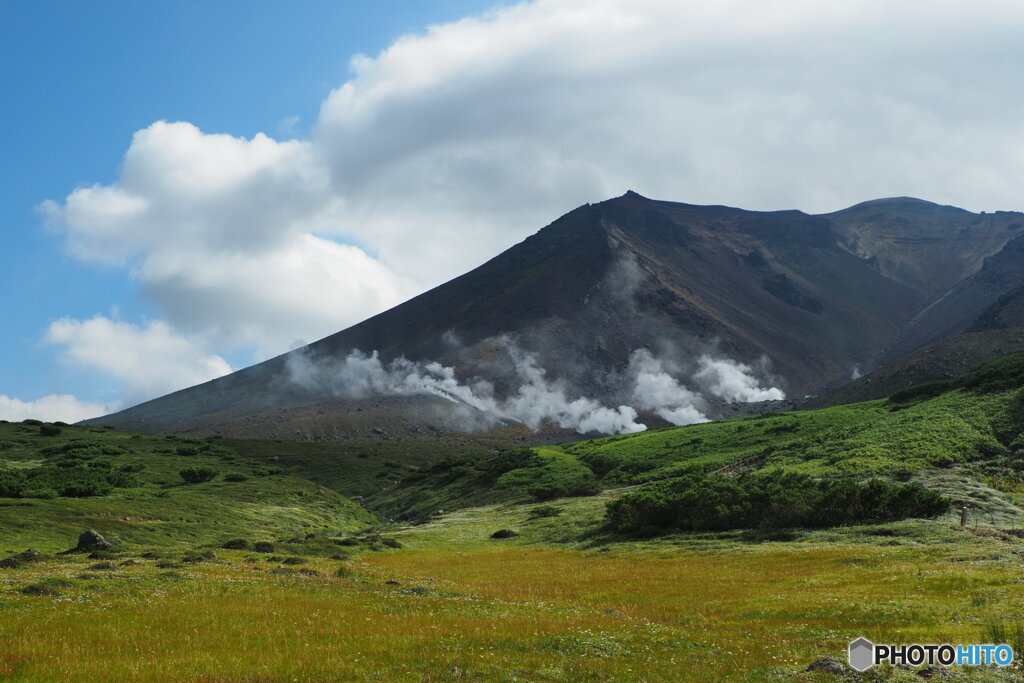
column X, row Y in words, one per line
column 501, row 613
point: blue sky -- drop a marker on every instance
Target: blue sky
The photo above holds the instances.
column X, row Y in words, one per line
column 191, row 187
column 80, row 78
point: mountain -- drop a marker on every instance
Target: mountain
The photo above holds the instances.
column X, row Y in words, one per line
column 782, row 299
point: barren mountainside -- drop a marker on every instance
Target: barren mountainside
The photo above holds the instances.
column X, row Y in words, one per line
column 800, row 302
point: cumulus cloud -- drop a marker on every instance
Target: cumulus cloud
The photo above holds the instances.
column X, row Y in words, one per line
column 453, row 144
column 222, row 234
column 148, row 361
column 52, row 408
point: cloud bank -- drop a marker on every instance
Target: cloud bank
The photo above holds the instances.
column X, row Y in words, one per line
column 453, row 144
column 52, row 408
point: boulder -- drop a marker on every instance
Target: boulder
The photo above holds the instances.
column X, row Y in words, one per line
column 92, row 540
column 504, row 533
column 829, row 665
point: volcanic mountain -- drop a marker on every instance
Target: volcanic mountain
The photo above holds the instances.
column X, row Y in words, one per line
column 796, row 301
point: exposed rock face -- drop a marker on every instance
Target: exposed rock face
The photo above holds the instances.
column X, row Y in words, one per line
column 817, row 295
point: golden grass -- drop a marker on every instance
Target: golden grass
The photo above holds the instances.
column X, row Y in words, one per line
column 501, row 613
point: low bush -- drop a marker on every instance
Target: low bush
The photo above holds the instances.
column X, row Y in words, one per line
column 776, row 499
column 235, row 544
column 235, row 477
column 542, row 511
column 67, row 479
column 197, row 475
column 921, row 392
column 50, row 430
column 263, row 547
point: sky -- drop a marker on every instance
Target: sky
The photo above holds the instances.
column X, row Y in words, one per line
column 188, row 188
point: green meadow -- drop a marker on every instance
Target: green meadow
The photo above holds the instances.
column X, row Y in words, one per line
column 259, row 566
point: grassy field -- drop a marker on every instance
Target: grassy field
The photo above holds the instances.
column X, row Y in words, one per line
column 535, row 607
column 340, row 593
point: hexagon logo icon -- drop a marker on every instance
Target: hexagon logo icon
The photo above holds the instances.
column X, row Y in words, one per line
column 862, row 654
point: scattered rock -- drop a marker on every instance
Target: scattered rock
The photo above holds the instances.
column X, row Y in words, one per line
column 92, row 540
column 199, row 556
column 102, row 565
column 829, row 665
column 504, row 533
column 392, row 582
column 131, row 563
column 168, row 564
column 935, row 672
column 21, row 559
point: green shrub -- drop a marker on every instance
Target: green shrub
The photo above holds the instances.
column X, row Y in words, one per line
column 545, row 511
column 197, row 475
column 775, row 499
column 50, row 430
column 1000, row 375
column 551, row 474
column 921, row 392
column 32, row 423
column 235, row 544
column 74, row 481
column 263, row 547
column 186, row 450
column 235, row 477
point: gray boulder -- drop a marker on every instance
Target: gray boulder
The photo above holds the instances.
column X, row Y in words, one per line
column 92, row 540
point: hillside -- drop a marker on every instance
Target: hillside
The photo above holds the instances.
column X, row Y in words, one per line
column 245, row 577
column 788, row 300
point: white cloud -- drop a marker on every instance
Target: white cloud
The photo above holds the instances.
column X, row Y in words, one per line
column 220, row 232
column 452, row 145
column 52, row 408
column 148, row 361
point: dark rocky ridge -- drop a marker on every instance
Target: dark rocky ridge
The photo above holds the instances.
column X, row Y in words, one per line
column 817, row 295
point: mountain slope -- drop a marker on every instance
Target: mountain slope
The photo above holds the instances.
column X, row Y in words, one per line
column 801, row 300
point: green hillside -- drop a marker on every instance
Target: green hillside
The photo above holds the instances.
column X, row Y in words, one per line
column 742, row 564
column 150, row 504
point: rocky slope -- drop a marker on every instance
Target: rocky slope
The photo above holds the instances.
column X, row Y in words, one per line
column 803, row 300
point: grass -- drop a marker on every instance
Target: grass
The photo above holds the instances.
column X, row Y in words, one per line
column 162, row 509
column 464, row 607
column 316, row 587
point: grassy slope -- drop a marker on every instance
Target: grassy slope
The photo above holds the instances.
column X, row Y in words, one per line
column 164, row 510
column 564, row 600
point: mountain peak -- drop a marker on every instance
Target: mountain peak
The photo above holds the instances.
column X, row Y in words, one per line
column 905, row 204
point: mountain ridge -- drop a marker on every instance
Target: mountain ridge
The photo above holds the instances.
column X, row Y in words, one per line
column 803, row 300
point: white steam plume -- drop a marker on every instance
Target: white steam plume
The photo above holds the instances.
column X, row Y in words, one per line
column 536, row 400
column 655, row 389
column 732, row 381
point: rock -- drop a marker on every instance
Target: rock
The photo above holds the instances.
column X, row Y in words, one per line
column 92, row 540
column 21, row 559
column 934, row 672
column 504, row 533
column 829, row 665
column 392, row 583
